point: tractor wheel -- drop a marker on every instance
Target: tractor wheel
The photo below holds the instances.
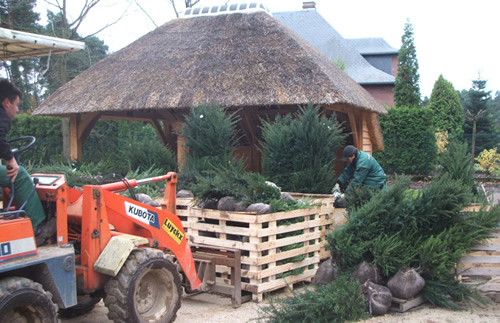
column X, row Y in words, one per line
column 147, row 289
column 22, row 300
column 86, row 303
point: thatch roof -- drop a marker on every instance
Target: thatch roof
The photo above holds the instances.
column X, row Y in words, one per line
column 234, row 60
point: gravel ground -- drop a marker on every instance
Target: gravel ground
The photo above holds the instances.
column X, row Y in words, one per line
column 209, row 308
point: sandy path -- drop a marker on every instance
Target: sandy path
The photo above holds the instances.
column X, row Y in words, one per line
column 208, row 308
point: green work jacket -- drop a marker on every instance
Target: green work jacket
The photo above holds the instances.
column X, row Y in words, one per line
column 363, row 171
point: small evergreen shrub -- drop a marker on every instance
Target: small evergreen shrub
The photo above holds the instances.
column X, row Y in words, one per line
column 488, row 160
column 337, row 302
column 209, row 132
column 232, row 180
column 211, row 138
column 145, row 154
column 425, row 229
column 456, row 162
column 299, row 151
column 127, row 145
column 409, row 140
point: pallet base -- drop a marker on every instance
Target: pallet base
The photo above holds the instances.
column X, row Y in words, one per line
column 488, row 287
column 403, row 305
column 259, row 297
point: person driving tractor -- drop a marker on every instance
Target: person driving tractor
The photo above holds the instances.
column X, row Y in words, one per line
column 11, row 172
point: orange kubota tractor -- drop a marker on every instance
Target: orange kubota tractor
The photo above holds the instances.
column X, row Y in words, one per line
column 133, row 255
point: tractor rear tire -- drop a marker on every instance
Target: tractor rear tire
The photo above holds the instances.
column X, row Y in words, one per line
column 147, row 289
column 23, row 300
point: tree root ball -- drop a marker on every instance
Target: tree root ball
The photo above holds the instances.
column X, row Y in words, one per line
column 367, row 271
column 378, row 298
column 326, row 273
column 406, row 284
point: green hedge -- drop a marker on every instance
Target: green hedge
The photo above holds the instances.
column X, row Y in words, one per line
column 409, row 140
column 46, row 130
column 121, row 145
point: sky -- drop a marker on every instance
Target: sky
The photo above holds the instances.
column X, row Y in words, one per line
column 455, row 38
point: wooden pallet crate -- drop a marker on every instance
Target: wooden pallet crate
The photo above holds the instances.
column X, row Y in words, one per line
column 330, row 216
column 482, row 265
column 183, row 207
column 277, row 249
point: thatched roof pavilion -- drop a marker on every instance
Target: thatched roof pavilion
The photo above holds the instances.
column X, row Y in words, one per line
column 246, row 61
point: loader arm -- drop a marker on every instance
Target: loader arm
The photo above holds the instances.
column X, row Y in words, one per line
column 128, row 216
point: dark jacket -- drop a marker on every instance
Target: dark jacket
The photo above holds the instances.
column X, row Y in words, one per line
column 364, row 171
column 5, row 151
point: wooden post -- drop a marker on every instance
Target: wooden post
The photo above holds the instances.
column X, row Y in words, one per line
column 181, row 144
column 80, row 127
column 76, row 147
column 366, row 144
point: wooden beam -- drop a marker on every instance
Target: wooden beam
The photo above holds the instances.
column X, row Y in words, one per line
column 354, row 128
column 248, row 128
column 171, row 117
column 161, row 131
column 80, row 127
column 375, row 132
column 181, row 151
column 76, row 147
column 366, row 144
column 87, row 123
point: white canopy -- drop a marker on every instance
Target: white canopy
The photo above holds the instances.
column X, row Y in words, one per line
column 18, row 44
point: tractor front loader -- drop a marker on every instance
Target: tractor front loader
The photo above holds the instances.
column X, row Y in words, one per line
column 109, row 246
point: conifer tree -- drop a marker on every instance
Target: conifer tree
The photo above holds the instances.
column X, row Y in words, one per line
column 407, row 88
column 299, row 152
column 447, row 110
column 480, row 128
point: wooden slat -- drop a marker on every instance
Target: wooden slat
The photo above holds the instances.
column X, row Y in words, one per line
column 479, row 271
column 480, row 260
column 281, row 269
column 403, row 305
column 263, row 260
column 247, row 217
column 491, row 246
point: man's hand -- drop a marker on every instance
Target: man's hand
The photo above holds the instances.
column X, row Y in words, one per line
column 12, row 169
column 336, row 188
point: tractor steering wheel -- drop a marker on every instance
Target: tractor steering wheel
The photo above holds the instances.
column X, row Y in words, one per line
column 18, row 150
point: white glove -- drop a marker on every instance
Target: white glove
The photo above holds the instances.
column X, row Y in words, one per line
column 336, row 188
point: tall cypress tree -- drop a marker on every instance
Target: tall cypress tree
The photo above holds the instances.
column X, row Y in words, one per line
column 407, row 88
column 447, row 110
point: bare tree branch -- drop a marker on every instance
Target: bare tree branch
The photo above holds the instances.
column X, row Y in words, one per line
column 108, row 25
column 72, row 27
column 137, row 3
column 190, row 3
column 172, row 2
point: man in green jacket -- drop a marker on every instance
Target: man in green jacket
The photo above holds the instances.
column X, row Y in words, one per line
column 362, row 170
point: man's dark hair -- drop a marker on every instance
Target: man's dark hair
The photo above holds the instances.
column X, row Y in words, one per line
column 9, row 91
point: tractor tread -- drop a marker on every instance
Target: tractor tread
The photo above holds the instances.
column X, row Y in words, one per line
column 119, row 298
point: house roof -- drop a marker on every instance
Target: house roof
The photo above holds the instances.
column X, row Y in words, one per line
column 311, row 26
column 234, row 60
column 372, row 46
column 19, row 44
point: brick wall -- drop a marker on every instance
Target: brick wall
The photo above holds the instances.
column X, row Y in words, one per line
column 383, row 93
